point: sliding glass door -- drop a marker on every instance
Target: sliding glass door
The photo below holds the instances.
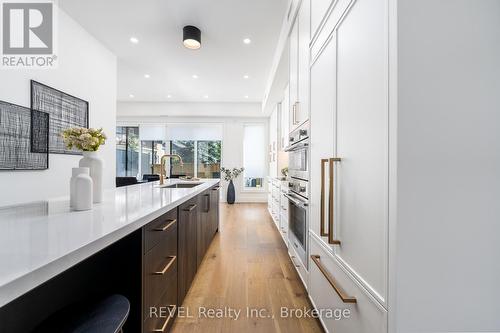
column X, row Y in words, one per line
column 127, row 151
column 201, row 158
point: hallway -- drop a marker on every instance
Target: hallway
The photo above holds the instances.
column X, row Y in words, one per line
column 247, row 273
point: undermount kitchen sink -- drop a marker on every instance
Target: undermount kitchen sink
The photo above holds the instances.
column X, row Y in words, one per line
column 180, row 185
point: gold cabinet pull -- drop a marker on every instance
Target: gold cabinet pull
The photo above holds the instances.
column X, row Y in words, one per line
column 342, row 294
column 190, row 208
column 167, row 266
column 166, row 226
column 322, row 203
column 331, row 203
column 165, row 324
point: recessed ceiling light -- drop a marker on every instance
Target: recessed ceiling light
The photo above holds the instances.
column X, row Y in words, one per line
column 195, row 76
column 131, row 96
column 191, row 37
column 134, row 40
column 247, row 40
column 169, row 96
column 246, row 76
column 206, row 96
column 147, row 76
column 246, row 96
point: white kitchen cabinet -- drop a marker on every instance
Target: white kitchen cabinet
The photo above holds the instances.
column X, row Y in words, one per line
column 299, row 67
column 303, row 62
column 285, row 118
column 293, row 82
column 393, row 218
column 319, row 9
column 349, row 146
column 273, row 143
column 326, row 275
column 362, row 142
column 284, row 211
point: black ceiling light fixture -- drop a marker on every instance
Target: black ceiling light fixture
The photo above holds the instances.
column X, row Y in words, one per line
column 191, row 37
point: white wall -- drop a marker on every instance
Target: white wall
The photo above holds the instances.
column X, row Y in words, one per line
column 87, row 70
column 232, row 145
column 448, row 167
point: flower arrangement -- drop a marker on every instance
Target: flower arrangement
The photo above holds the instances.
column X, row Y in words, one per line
column 230, row 174
column 84, row 139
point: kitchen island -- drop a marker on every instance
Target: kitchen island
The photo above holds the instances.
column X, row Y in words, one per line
column 51, row 256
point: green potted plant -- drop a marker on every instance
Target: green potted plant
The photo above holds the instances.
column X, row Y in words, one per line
column 229, row 175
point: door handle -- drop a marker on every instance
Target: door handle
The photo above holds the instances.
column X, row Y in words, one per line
column 190, row 208
column 172, row 309
column 331, row 203
column 295, row 113
column 322, row 202
column 342, row 294
column 208, row 203
column 167, row 266
column 168, row 225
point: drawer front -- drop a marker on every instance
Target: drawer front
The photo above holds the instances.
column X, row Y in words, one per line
column 160, row 317
column 159, row 229
column 299, row 267
column 364, row 316
column 160, row 269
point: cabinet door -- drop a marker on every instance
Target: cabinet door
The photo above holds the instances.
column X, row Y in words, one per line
column 203, row 226
column 214, row 211
column 361, row 193
column 293, row 72
column 323, row 108
column 273, row 137
column 187, row 246
column 285, row 117
column 304, row 30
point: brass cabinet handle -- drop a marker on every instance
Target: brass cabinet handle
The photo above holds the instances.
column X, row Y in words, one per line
column 295, row 113
column 165, row 227
column 167, row 266
column 165, row 324
column 343, row 296
column 322, row 202
column 190, row 208
column 331, row 204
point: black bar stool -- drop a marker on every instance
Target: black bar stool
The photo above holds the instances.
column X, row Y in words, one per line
column 105, row 316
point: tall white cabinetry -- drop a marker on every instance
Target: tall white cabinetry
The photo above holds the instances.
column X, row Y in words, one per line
column 299, row 66
column 349, row 160
column 273, row 142
column 392, row 202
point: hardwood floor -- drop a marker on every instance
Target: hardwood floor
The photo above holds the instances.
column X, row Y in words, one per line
column 246, row 269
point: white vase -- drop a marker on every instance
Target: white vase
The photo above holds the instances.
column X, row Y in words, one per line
column 81, row 189
column 94, row 163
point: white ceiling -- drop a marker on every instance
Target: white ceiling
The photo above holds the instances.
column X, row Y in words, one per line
column 220, row 64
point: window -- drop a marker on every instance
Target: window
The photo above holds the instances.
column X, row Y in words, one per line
column 185, row 149
column 254, row 154
column 127, row 151
column 201, row 158
column 209, row 157
column 151, row 153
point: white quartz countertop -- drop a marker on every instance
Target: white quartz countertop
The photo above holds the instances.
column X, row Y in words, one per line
column 40, row 240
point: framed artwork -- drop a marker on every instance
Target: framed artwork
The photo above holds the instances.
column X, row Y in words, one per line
column 16, row 138
column 65, row 111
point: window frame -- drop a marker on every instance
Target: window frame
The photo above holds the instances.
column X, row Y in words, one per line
column 266, row 162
